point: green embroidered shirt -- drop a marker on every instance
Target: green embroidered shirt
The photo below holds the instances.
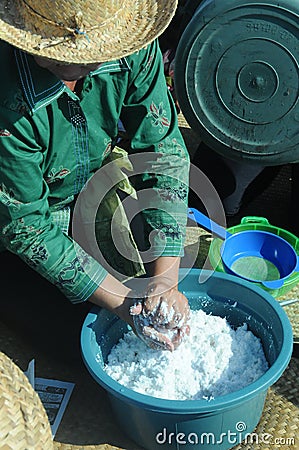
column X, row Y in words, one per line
column 52, row 142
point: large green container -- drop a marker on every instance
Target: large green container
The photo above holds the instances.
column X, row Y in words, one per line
column 262, row 224
column 237, row 78
column 223, row 422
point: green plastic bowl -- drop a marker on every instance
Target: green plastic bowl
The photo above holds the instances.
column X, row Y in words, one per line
column 262, row 224
column 222, row 422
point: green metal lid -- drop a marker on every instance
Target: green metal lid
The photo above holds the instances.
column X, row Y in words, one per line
column 237, row 78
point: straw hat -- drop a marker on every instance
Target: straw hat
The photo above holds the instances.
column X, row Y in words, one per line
column 83, row 31
column 24, row 422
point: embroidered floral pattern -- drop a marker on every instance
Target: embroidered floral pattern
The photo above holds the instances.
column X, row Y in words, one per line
column 5, row 133
column 173, row 194
column 83, row 257
column 16, row 230
column 55, row 175
column 11, row 228
column 165, row 230
column 108, row 147
column 148, row 63
column 7, row 197
column 16, row 102
column 39, row 254
column 69, row 273
column 172, row 147
column 178, row 148
column 158, row 116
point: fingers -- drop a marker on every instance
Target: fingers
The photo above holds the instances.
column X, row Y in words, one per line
column 151, row 336
column 170, row 310
column 160, row 319
column 178, row 337
column 157, row 340
column 155, row 296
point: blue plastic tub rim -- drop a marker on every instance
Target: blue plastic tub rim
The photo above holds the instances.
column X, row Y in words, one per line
column 206, row 406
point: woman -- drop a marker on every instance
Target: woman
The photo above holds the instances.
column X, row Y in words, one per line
column 73, row 72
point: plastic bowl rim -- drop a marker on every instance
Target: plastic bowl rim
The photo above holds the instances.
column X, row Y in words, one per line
column 290, row 280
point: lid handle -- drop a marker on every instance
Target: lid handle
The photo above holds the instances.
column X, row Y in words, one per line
column 254, row 219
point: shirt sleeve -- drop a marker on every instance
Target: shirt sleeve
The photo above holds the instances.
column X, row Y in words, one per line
column 27, row 228
column 162, row 174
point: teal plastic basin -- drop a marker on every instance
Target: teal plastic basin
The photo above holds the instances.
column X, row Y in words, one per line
column 222, row 422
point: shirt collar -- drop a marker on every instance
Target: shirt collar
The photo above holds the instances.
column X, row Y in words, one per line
column 41, row 87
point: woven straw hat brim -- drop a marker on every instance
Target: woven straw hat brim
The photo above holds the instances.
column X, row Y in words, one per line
column 101, row 30
column 24, row 423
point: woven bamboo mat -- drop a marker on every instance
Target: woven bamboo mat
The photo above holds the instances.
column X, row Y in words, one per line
column 23, row 421
column 278, row 427
column 279, row 424
column 293, row 310
column 61, row 446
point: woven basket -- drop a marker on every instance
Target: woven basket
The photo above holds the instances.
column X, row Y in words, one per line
column 24, row 423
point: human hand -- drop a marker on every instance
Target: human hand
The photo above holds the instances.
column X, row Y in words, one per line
column 161, row 318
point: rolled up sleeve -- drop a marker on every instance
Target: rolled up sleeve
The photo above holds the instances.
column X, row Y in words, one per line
column 27, row 228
